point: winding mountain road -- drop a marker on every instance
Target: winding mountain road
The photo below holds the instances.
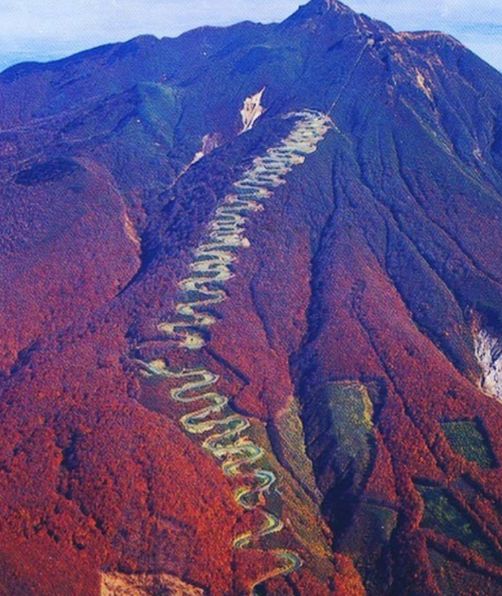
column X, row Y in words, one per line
column 210, row 269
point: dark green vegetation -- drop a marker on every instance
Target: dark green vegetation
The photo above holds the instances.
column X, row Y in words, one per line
column 449, row 572
column 470, row 440
column 367, row 541
column 48, row 171
column 363, row 528
column 349, row 430
column 444, row 515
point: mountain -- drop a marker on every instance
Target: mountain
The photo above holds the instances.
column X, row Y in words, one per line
column 251, row 314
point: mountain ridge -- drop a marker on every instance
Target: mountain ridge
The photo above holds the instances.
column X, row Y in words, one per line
column 313, row 8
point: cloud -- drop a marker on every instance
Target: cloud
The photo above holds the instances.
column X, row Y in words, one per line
column 46, row 29
column 489, row 29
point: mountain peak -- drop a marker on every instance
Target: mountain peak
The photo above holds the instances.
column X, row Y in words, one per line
column 332, row 5
column 315, row 10
column 320, row 7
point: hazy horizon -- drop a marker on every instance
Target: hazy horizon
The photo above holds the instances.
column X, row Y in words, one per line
column 45, row 30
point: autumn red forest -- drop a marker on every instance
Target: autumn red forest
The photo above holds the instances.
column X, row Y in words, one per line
column 251, row 314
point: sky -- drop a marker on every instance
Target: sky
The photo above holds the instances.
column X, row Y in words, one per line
column 48, row 29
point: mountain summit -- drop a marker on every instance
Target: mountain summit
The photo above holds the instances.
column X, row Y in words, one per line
column 322, row 7
column 251, row 314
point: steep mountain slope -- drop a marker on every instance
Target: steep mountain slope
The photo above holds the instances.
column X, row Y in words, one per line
column 252, row 314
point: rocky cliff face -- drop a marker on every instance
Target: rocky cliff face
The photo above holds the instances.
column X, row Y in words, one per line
column 269, row 367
